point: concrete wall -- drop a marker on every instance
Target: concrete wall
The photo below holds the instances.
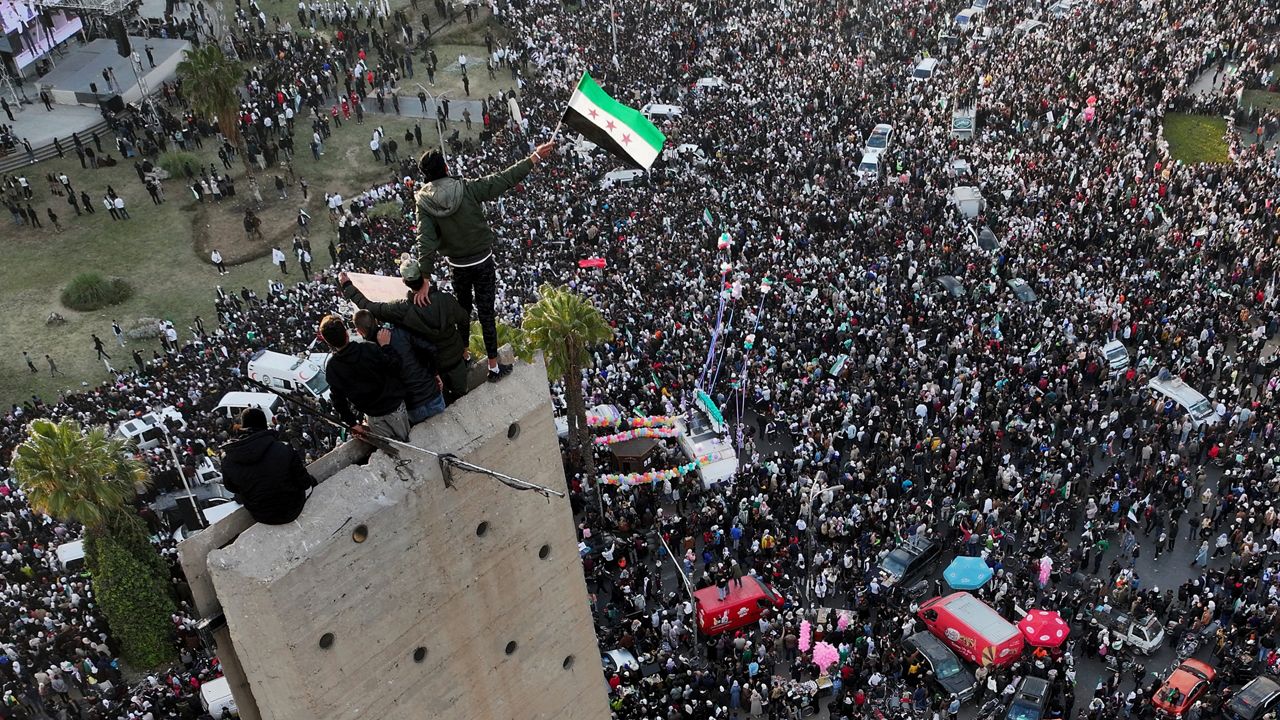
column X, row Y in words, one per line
column 432, row 615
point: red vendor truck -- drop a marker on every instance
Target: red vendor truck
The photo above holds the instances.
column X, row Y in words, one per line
column 972, row 629
column 743, row 606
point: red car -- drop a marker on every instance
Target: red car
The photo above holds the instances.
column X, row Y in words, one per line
column 1184, row 686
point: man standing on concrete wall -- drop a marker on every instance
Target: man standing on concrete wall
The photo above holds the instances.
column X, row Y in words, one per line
column 451, row 223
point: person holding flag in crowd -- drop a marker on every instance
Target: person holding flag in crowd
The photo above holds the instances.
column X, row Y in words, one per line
column 451, row 223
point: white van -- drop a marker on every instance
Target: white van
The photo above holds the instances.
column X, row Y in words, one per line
column 664, row 112
column 70, row 555
column 1174, row 389
column 147, row 430
column 233, row 403
column 621, row 177
column 288, row 373
column 869, row 168
column 968, row 200
column 216, row 695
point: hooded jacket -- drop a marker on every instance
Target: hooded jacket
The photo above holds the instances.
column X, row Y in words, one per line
column 440, row 323
column 268, row 477
column 450, row 216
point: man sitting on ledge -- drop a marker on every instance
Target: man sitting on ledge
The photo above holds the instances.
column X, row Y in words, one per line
column 268, row 477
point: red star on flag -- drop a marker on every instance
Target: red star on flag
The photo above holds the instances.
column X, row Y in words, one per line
column 610, row 125
column 593, row 113
column 626, row 139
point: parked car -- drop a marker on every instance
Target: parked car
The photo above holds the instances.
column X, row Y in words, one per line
column 964, row 122
column 1251, row 702
column 925, row 69
column 1116, row 355
column 951, row 286
column 617, row 660
column 1183, row 687
column 948, row 672
column 1061, row 8
column 1028, row 701
column 1144, row 635
column 908, row 560
column 1022, row 290
column 879, row 139
column 985, row 238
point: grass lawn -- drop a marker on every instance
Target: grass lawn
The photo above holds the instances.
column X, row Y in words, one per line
column 156, row 251
column 1261, row 99
column 1196, row 138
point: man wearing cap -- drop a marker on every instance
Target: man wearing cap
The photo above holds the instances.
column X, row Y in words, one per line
column 451, row 223
column 368, row 377
column 442, row 323
column 267, row 476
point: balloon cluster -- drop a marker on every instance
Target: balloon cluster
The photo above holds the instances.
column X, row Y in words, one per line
column 644, row 432
column 652, row 476
column 639, row 422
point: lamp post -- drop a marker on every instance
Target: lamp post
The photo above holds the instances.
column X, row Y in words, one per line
column 177, row 464
column 688, row 587
column 435, row 105
column 814, row 489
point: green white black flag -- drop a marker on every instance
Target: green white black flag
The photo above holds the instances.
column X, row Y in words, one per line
column 621, row 130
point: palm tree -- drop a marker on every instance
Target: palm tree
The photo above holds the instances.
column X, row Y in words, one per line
column 507, row 335
column 563, row 324
column 210, row 80
column 89, row 478
column 76, row 476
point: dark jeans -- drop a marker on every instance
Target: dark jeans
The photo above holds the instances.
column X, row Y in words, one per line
column 476, row 286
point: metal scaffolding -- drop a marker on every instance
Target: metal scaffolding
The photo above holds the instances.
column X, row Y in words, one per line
column 101, row 7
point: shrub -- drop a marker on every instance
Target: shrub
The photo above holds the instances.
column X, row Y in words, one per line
column 173, row 161
column 91, row 291
column 389, row 210
column 129, row 584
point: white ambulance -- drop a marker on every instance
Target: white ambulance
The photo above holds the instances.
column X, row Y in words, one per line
column 288, row 373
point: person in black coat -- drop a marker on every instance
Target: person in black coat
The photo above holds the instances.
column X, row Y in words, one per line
column 267, row 476
column 366, row 376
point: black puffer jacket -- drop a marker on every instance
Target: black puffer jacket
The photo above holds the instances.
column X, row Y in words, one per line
column 267, row 476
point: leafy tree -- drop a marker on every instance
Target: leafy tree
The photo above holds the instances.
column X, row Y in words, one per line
column 210, row 81
column 563, row 325
column 88, row 478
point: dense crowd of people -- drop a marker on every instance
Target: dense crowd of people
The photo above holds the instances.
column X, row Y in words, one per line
column 873, row 406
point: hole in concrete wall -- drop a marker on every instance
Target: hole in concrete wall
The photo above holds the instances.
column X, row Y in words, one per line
column 482, row 528
column 568, row 662
column 420, row 654
column 513, row 431
column 544, row 552
column 511, row 647
column 326, row 641
column 360, row 534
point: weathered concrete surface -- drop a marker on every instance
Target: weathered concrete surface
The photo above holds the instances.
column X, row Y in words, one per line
column 424, row 579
